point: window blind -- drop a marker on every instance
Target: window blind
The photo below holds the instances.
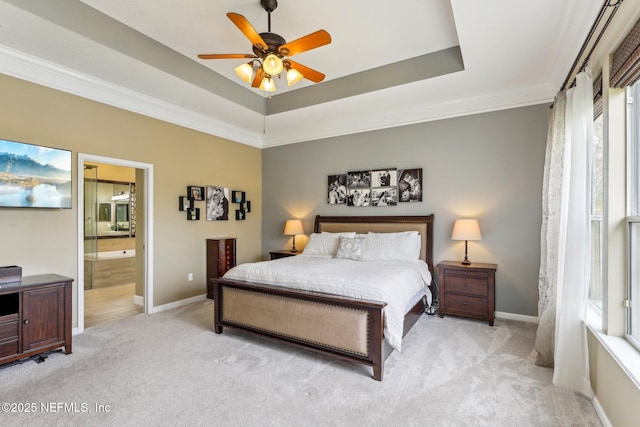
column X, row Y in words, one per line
column 625, row 64
column 598, row 103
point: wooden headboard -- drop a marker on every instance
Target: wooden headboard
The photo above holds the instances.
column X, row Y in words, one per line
column 382, row 224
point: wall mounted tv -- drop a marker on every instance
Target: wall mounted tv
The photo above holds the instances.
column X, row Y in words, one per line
column 32, row 176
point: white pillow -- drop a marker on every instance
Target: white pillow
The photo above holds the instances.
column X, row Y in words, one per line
column 404, row 245
column 350, row 248
column 324, row 244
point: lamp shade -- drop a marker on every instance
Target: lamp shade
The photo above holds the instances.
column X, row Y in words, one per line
column 293, row 76
column 272, row 65
column 466, row 229
column 293, row 227
column 245, row 72
column 267, row 85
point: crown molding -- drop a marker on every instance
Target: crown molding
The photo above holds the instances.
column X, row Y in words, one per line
column 36, row 70
column 27, row 67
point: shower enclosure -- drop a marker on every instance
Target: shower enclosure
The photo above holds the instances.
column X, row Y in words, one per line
column 109, row 209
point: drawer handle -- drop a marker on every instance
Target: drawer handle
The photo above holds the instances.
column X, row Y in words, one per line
column 26, row 322
column 464, row 303
column 466, row 284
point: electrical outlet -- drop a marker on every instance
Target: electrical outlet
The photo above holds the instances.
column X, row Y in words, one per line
column 190, row 277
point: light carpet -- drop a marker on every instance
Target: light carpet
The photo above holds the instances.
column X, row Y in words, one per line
column 170, row 368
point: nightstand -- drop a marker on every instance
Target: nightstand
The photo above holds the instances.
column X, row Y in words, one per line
column 282, row 254
column 467, row 290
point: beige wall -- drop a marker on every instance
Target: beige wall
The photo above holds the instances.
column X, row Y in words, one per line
column 45, row 240
column 616, row 392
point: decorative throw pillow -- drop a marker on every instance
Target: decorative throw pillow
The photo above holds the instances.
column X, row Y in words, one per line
column 324, row 244
column 350, row 248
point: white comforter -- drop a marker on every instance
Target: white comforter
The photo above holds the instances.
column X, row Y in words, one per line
column 395, row 282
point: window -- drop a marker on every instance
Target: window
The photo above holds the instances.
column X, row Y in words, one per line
column 632, row 302
column 597, row 192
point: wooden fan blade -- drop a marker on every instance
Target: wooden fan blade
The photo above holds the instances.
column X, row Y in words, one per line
column 247, row 29
column 257, row 79
column 225, row 56
column 307, row 73
column 308, row 42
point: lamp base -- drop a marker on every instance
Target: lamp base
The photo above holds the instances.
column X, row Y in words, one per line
column 293, row 250
column 465, row 262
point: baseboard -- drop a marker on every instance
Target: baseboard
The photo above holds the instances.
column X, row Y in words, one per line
column 600, row 411
column 176, row 304
column 516, row 317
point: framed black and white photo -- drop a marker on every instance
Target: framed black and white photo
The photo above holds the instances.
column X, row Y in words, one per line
column 217, row 203
column 384, row 177
column 359, row 179
column 409, row 185
column 337, row 189
column 384, row 196
column 240, row 215
column 359, row 197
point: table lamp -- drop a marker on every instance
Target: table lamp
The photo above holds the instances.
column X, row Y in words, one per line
column 466, row 229
column 291, row 228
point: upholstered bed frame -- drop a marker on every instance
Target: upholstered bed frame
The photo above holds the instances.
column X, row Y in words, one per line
column 341, row 327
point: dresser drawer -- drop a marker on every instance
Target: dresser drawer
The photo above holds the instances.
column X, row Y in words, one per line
column 466, row 304
column 8, row 330
column 469, row 284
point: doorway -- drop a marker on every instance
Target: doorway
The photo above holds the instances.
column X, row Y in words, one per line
column 114, row 235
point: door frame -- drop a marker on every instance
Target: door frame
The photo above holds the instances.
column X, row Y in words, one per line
column 147, row 224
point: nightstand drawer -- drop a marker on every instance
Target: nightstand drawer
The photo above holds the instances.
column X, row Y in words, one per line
column 471, row 284
column 466, row 304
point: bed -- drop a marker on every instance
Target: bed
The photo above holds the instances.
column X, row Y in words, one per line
column 348, row 327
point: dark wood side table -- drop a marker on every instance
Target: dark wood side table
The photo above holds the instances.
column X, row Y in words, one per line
column 467, row 290
column 282, row 254
column 35, row 316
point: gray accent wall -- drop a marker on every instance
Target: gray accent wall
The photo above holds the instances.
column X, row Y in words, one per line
column 487, row 166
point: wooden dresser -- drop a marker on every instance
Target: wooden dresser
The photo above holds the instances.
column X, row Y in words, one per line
column 35, row 316
column 467, row 290
column 221, row 256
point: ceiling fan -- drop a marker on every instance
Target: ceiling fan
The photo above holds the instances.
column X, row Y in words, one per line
column 271, row 52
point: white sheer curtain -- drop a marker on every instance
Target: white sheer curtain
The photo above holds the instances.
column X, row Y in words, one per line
column 564, row 267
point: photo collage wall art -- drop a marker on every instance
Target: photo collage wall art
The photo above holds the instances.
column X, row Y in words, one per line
column 379, row 187
column 217, row 203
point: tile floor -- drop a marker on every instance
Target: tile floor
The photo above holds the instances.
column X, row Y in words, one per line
column 109, row 304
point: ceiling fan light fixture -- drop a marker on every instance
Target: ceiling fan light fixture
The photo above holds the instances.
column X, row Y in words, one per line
column 272, row 65
column 245, row 72
column 293, row 76
column 268, row 84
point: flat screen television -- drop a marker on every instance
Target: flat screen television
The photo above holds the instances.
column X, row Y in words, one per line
column 32, row 176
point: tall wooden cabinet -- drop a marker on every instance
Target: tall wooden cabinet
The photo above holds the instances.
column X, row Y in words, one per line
column 35, row 316
column 221, row 257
